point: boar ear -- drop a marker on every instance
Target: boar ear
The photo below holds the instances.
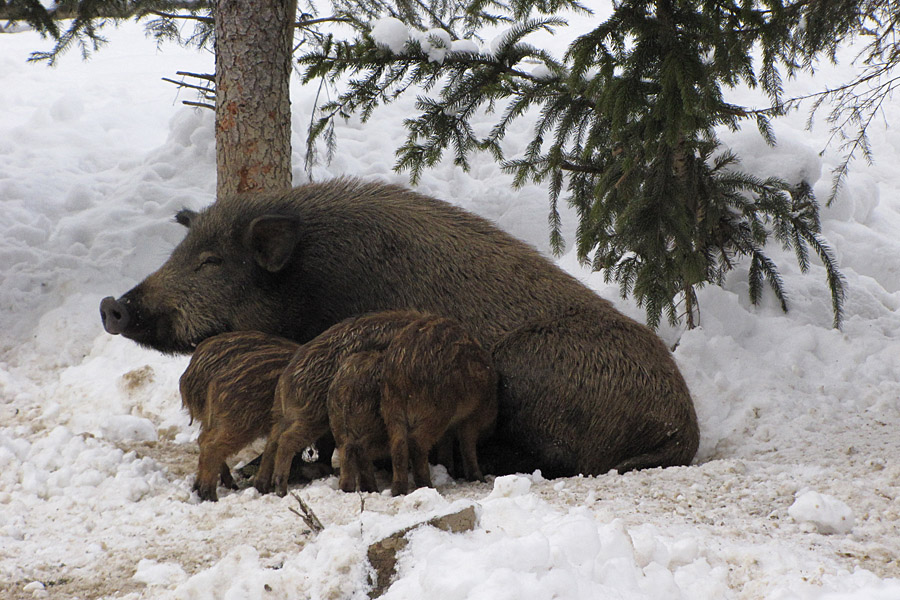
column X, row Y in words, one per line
column 271, row 239
column 185, row 217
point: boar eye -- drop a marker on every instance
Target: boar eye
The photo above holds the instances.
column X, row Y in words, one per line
column 209, row 259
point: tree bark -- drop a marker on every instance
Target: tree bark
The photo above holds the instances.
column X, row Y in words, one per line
column 253, row 107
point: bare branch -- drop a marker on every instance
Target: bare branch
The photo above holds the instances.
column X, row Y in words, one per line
column 180, row 16
column 206, row 76
column 308, row 516
column 200, row 104
column 331, row 19
column 188, row 85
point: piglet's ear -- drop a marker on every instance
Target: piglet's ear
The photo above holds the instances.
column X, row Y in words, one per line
column 272, row 239
column 185, row 217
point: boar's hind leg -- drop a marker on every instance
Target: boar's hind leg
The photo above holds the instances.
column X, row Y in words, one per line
column 263, row 479
column 356, row 465
column 418, row 456
column 588, row 392
column 399, row 462
column 297, row 435
column 467, row 433
column 367, row 482
column 349, row 467
column 395, row 421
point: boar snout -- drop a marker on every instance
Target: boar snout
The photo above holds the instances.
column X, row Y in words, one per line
column 114, row 315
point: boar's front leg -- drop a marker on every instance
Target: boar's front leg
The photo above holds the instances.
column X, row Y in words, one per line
column 211, row 466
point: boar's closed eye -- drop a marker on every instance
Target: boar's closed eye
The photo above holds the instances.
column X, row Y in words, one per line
column 209, row 259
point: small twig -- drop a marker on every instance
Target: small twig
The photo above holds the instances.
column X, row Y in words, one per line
column 310, row 157
column 200, row 104
column 568, row 166
column 188, row 85
column 206, row 76
column 436, row 18
column 166, row 15
column 333, row 19
column 308, row 516
column 362, row 509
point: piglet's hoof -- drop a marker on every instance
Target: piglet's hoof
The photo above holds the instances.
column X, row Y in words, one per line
column 207, row 493
column 263, row 487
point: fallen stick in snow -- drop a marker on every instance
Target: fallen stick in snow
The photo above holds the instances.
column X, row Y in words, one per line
column 308, row 516
column 382, row 554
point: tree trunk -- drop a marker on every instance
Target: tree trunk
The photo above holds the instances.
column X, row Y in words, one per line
column 253, row 106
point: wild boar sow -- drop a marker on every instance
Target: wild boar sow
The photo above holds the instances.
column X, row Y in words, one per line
column 584, row 389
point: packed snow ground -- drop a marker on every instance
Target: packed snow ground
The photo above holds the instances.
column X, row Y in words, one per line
column 799, row 421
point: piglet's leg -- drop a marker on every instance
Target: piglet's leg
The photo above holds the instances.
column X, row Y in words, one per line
column 209, row 469
column 418, row 455
column 297, row 435
column 349, row 471
column 227, row 479
column 263, row 480
column 467, row 433
column 400, row 462
column 367, row 482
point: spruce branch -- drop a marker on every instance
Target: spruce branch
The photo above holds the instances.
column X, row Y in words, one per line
column 623, row 130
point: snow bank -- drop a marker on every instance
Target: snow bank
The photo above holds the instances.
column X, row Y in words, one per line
column 530, row 550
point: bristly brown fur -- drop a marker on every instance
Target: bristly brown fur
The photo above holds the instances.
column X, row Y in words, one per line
column 354, row 404
column 229, row 386
column 300, row 412
column 433, row 380
column 584, row 388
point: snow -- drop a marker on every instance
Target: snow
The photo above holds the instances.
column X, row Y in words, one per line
column 498, row 41
column 467, row 46
column 541, row 71
column 828, row 514
column 798, row 421
column 150, row 572
column 510, row 486
column 392, row 33
column 435, row 43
